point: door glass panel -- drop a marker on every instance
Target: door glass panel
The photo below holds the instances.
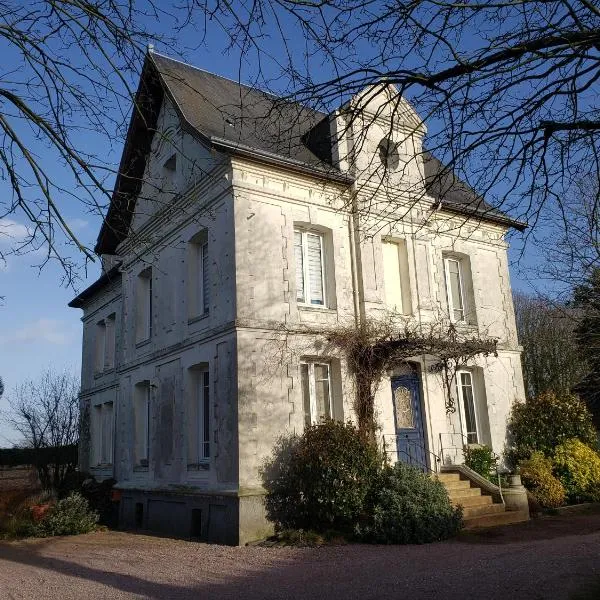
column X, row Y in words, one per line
column 405, row 417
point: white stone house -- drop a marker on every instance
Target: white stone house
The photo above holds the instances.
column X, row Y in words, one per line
column 228, row 224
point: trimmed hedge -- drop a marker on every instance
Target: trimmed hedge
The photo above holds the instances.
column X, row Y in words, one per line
column 544, row 422
column 406, row 506
column 578, row 468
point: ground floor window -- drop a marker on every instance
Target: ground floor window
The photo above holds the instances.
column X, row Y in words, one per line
column 467, row 404
column 199, row 419
column 316, row 391
column 102, row 434
column 142, row 424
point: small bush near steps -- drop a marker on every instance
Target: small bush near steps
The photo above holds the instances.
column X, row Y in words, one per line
column 538, row 478
column 406, row 506
column 331, row 479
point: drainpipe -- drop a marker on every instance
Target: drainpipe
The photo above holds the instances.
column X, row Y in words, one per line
column 430, row 440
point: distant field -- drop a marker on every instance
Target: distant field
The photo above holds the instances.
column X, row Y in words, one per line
column 17, row 478
column 16, row 484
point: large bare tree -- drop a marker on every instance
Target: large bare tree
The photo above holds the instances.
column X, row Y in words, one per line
column 45, row 411
column 551, row 358
column 507, row 88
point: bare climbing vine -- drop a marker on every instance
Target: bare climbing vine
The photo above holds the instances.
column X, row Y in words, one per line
column 377, row 347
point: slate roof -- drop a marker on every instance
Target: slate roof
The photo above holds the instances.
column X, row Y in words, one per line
column 240, row 119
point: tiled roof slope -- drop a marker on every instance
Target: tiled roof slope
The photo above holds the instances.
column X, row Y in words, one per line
column 238, row 118
column 224, row 109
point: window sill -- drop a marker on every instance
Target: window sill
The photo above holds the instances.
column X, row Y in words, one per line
column 99, row 374
column 143, row 343
column 199, row 467
column 201, row 317
column 140, row 469
column 102, row 467
column 316, row 308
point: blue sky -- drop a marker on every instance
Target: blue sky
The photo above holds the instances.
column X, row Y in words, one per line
column 37, row 329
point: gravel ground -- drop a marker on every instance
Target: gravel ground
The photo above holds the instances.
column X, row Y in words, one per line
column 547, row 558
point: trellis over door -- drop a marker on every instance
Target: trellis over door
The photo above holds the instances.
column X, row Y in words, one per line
column 408, row 415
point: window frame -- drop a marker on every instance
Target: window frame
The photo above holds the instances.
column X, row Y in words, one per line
column 201, row 397
column 461, row 286
column 100, row 347
column 144, row 295
column 143, row 399
column 462, row 406
column 198, row 276
column 307, row 302
column 110, row 341
column 103, row 445
column 313, row 416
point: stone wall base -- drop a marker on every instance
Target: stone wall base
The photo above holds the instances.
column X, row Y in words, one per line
column 228, row 518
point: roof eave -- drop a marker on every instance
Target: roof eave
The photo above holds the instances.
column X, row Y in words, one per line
column 278, row 160
column 483, row 215
column 105, row 279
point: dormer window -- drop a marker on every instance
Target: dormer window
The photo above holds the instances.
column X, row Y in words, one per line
column 388, row 153
column 171, row 163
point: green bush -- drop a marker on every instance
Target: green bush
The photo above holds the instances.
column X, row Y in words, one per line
column 544, row 422
column 319, row 480
column 406, row 506
column 482, row 460
column 537, row 477
column 69, row 516
column 578, row 468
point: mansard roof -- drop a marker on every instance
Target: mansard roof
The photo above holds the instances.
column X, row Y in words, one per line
column 232, row 117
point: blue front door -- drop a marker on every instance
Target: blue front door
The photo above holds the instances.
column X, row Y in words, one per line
column 410, row 435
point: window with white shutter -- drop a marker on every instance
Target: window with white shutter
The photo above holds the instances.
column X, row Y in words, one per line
column 454, row 289
column 310, row 270
column 315, row 379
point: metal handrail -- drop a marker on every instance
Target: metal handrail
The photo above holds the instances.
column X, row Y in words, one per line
column 465, row 443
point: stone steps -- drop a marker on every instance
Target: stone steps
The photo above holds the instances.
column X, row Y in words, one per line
column 482, row 509
column 492, row 520
column 479, row 509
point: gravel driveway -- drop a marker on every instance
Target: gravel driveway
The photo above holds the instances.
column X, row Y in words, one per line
column 548, row 558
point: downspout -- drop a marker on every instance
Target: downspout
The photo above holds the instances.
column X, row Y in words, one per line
column 425, row 379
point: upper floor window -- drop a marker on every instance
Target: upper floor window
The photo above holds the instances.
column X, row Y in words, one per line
column 395, row 276
column 316, row 391
column 143, row 300
column 467, row 404
column 101, row 433
column 198, row 416
column 455, row 288
column 199, row 278
column 310, row 267
column 141, row 410
column 105, row 344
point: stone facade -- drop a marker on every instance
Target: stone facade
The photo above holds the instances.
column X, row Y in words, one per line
column 206, row 358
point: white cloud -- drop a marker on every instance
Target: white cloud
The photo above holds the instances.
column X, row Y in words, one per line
column 77, row 224
column 12, row 232
column 42, row 331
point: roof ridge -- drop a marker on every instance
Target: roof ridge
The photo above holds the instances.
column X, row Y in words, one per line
column 239, row 83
